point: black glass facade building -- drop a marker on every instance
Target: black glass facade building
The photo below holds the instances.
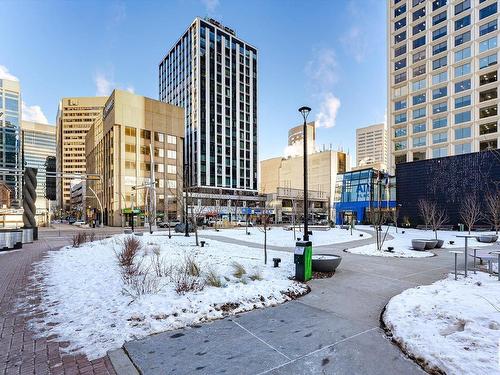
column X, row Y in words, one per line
column 447, row 181
column 212, row 74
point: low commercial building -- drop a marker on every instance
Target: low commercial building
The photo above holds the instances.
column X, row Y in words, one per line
column 357, row 193
column 77, row 200
column 118, row 148
column 448, row 182
column 282, row 181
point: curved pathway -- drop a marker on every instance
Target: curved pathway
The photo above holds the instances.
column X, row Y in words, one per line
column 335, row 329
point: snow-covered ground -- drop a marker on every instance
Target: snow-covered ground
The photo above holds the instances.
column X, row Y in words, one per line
column 85, row 302
column 450, row 325
column 401, row 242
column 278, row 236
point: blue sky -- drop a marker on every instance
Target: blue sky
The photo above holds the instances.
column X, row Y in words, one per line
column 330, row 55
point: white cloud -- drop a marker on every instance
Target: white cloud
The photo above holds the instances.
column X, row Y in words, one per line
column 322, row 68
column 210, row 5
column 33, row 113
column 4, row 74
column 328, row 111
column 103, row 85
column 355, row 43
column 130, row 89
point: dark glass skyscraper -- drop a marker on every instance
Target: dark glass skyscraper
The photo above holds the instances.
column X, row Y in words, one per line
column 212, row 74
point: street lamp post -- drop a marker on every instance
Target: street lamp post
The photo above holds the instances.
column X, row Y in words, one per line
column 305, row 112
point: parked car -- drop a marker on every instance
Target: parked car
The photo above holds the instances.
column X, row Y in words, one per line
column 71, row 220
column 171, row 224
column 181, row 228
column 79, row 223
column 243, row 223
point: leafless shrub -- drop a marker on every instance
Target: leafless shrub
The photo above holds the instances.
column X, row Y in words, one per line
column 130, row 266
column 191, row 266
column 256, row 275
column 92, row 237
column 140, row 283
column 184, row 283
column 238, row 270
column 213, row 279
column 160, row 267
column 79, row 239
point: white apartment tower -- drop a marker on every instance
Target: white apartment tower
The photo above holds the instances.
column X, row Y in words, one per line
column 443, row 78
column 372, row 146
column 212, row 74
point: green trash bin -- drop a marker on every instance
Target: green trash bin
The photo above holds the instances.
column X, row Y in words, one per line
column 303, row 260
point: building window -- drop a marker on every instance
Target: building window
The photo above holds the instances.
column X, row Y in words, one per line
column 171, row 139
column 487, row 11
column 440, row 77
column 462, row 54
column 462, row 70
column 172, row 169
column 439, row 107
column 462, row 133
column 461, row 7
column 486, row 78
column 400, row 145
column 401, row 77
column 400, row 37
column 419, row 42
column 418, row 85
column 488, row 44
column 488, row 27
column 171, row 154
column 439, row 63
column 400, row 51
column 400, row 159
column 400, row 10
column 488, row 145
column 418, row 113
column 462, row 101
column 438, row 33
column 439, row 92
column 400, row 132
column 436, row 4
column 130, row 131
column 399, row 105
column 419, row 99
column 488, row 95
column 439, row 123
column 418, row 14
column 400, row 91
column 462, row 38
column 159, row 137
column 438, row 48
column 462, row 22
column 462, row 117
column 398, row 119
column 145, row 134
column 488, row 111
column 129, row 148
column 462, row 85
column 440, row 152
column 463, row 148
column 400, row 64
column 419, row 156
column 438, row 18
column 488, row 128
column 487, row 61
column 419, row 70
column 419, row 141
column 399, row 24
column 419, row 56
column 419, row 27
column 418, row 128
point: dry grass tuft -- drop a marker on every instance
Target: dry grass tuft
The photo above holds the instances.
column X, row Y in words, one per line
column 238, row 270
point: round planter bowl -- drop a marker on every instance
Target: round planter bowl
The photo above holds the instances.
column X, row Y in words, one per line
column 440, row 244
column 325, row 262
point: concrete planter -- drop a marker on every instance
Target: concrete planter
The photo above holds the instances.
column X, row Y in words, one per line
column 487, row 238
column 325, row 262
column 27, row 235
column 439, row 245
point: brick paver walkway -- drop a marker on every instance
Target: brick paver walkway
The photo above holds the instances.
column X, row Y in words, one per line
column 20, row 352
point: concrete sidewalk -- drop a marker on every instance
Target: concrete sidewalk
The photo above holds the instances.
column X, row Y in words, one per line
column 335, row 329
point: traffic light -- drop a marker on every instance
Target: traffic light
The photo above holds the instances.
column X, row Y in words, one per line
column 50, row 178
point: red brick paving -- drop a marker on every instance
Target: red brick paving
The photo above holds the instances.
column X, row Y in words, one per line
column 20, row 352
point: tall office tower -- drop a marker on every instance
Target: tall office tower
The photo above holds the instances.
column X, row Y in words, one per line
column 74, row 118
column 443, row 78
column 38, row 142
column 296, row 140
column 372, row 147
column 212, row 74
column 10, row 144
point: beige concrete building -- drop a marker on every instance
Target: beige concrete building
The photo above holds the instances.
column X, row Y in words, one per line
column 442, row 78
column 38, row 142
column 74, row 118
column 296, row 140
column 118, row 148
column 372, row 147
column 282, row 180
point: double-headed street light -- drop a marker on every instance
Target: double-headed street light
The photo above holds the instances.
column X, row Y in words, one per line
column 305, row 112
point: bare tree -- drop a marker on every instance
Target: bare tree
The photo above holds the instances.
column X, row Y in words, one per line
column 492, row 212
column 470, row 211
column 425, row 209
column 264, row 227
column 395, row 217
column 438, row 217
column 377, row 217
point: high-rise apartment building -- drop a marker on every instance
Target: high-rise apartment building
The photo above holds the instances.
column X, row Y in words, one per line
column 38, row 142
column 212, row 74
column 118, row 147
column 372, row 147
column 443, row 78
column 296, row 140
column 10, row 133
column 74, row 118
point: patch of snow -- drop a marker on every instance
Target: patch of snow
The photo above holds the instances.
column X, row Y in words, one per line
column 401, row 242
column 453, row 325
column 278, row 236
column 84, row 300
